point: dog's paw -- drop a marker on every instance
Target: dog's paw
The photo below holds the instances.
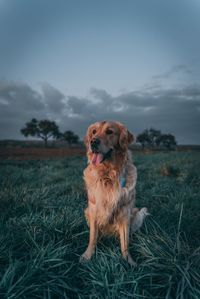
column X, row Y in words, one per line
column 85, row 257
column 131, row 262
column 128, row 258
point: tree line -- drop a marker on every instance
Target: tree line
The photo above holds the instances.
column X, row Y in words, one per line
column 154, row 138
column 46, row 129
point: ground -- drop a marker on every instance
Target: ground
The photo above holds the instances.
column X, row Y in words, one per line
column 43, row 232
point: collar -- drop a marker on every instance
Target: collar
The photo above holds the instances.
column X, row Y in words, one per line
column 122, row 181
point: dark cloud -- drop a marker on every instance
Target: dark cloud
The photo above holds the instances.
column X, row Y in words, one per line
column 172, row 110
column 78, row 106
column 175, row 110
column 176, row 69
column 100, row 94
column 19, row 103
column 20, row 95
column 53, row 98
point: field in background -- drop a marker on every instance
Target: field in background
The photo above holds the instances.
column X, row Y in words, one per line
column 31, row 150
column 40, row 153
column 43, row 232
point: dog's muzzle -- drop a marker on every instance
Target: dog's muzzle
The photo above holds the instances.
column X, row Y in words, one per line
column 95, row 142
column 98, row 157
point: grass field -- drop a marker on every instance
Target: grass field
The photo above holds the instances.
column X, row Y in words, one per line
column 43, row 232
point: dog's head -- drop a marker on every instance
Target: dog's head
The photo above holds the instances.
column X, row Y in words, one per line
column 103, row 138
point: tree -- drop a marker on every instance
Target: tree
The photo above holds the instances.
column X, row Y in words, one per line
column 154, row 136
column 143, row 138
column 44, row 129
column 70, row 137
column 167, row 140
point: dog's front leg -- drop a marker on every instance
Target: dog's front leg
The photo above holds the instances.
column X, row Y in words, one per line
column 92, row 239
column 124, row 241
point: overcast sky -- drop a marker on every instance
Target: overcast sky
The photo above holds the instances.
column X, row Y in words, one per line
column 80, row 61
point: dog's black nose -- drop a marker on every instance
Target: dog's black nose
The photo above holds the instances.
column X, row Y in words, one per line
column 95, row 142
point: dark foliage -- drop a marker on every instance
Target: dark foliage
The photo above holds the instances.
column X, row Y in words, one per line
column 154, row 138
column 167, row 140
column 70, row 137
column 43, row 129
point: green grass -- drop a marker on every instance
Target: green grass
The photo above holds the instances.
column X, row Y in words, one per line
column 43, row 232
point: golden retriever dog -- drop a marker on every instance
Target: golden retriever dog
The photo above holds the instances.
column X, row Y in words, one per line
column 110, row 180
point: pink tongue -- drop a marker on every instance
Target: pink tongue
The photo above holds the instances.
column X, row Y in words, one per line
column 97, row 158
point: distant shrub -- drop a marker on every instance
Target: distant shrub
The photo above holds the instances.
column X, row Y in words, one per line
column 169, row 170
column 155, row 139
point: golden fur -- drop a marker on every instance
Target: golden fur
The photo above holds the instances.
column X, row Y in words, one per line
column 110, row 206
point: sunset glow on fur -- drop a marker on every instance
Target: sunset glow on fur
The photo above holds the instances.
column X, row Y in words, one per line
column 110, row 204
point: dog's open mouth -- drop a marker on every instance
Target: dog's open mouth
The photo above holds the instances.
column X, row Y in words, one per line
column 98, row 157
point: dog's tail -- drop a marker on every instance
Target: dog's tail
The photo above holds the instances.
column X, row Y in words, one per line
column 137, row 218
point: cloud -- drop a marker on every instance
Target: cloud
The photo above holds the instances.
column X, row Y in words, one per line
column 53, row 98
column 173, row 110
column 19, row 103
column 176, row 69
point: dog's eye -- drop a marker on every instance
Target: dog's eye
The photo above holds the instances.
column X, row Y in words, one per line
column 94, row 131
column 109, row 131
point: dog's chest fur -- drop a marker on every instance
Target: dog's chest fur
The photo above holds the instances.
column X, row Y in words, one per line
column 104, row 192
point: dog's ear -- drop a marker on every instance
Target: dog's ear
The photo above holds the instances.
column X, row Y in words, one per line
column 86, row 141
column 88, row 135
column 125, row 138
column 131, row 137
